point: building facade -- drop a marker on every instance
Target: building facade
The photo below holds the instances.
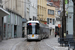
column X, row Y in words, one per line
column 33, row 9
column 57, row 3
column 27, row 9
column 12, row 25
column 51, row 18
column 15, row 5
column 41, row 11
column 2, row 14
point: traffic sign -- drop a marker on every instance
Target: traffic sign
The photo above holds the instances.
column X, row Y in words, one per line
column 59, row 25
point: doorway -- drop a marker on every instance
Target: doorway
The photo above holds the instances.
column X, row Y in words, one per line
column 23, row 35
column 50, row 31
column 15, row 31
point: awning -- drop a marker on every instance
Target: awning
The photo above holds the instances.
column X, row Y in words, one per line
column 24, row 20
column 3, row 12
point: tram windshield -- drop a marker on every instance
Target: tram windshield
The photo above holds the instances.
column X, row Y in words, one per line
column 32, row 28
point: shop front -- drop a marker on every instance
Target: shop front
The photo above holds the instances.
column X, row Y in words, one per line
column 2, row 14
column 12, row 26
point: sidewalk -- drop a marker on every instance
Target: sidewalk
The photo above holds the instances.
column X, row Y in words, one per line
column 53, row 42
column 9, row 44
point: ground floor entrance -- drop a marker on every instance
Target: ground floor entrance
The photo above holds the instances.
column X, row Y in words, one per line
column 52, row 32
column 15, row 31
column 1, row 28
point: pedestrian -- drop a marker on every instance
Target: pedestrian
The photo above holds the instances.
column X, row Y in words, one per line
column 55, row 34
column 67, row 32
column 15, row 35
column 23, row 34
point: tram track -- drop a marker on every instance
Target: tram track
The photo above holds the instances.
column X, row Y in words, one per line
column 28, row 45
column 32, row 45
column 36, row 46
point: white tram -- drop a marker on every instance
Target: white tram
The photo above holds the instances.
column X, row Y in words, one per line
column 37, row 30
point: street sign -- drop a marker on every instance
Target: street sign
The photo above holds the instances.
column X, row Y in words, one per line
column 59, row 25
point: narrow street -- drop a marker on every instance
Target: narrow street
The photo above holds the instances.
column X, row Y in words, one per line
column 22, row 44
column 33, row 45
column 22, row 20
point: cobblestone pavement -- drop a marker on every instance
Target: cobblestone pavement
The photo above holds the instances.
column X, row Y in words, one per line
column 33, row 45
column 53, row 43
column 8, row 44
column 22, row 44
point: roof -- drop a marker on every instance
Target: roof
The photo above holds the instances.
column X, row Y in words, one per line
column 33, row 22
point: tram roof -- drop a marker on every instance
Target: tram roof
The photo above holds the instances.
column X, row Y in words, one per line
column 33, row 21
column 43, row 25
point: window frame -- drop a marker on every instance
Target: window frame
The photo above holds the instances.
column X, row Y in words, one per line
column 50, row 12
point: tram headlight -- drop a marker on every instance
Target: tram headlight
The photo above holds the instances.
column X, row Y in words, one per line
column 36, row 35
column 28, row 35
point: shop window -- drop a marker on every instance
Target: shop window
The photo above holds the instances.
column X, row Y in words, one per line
column 4, row 29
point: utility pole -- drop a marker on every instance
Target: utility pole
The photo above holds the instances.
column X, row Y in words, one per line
column 73, row 18
column 63, row 20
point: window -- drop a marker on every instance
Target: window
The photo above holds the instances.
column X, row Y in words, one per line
column 48, row 0
column 34, row 18
column 33, row 29
column 53, row 21
column 47, row 20
column 57, row 19
column 50, row 12
column 51, row 4
column 55, row 0
column 50, row 20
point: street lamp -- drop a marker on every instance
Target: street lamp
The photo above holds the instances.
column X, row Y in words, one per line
column 73, row 18
column 63, row 21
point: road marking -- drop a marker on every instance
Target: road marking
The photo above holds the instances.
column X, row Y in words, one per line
column 60, row 47
column 50, row 46
column 27, row 44
column 13, row 48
